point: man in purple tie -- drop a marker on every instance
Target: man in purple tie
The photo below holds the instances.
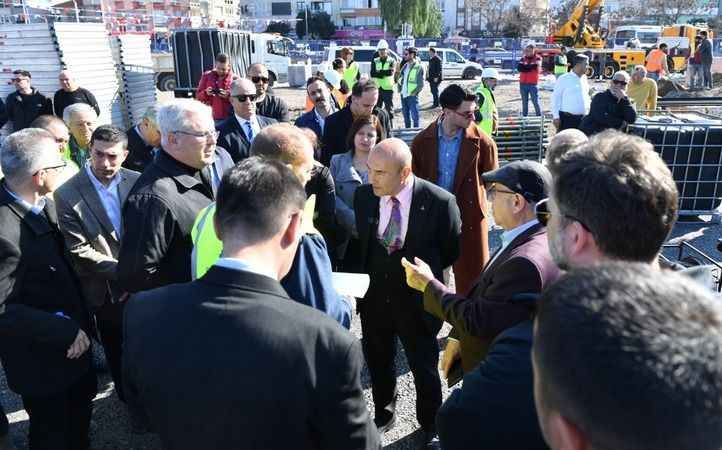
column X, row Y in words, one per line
column 399, row 215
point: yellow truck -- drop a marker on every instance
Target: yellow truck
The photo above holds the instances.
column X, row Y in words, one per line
column 680, row 40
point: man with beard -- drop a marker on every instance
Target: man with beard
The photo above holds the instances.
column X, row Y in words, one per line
column 322, row 107
column 267, row 105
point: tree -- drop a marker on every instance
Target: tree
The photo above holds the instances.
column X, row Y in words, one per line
column 664, row 12
column 279, row 27
column 320, row 25
column 434, row 25
column 517, row 23
column 423, row 15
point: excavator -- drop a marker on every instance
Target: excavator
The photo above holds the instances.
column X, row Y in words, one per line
column 580, row 35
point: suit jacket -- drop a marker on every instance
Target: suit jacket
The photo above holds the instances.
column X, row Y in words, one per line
column 432, row 235
column 494, row 409
column 705, row 51
column 89, row 233
column 41, row 304
column 233, row 138
column 477, row 155
column 336, row 130
column 290, row 379
column 524, row 266
column 434, row 69
column 140, row 155
column 310, row 121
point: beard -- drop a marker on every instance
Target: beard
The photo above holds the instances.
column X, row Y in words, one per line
column 556, row 248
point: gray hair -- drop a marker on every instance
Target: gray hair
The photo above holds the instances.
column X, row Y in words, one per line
column 151, row 113
column 76, row 108
column 175, row 116
column 25, row 152
column 641, row 69
column 621, row 74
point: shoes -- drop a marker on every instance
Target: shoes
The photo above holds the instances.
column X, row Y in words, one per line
column 385, row 421
column 430, row 441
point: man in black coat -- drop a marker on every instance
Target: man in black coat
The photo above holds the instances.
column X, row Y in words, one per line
column 3, row 114
column 323, row 107
column 397, row 216
column 70, row 94
column 26, row 103
column 268, row 105
column 435, row 75
column 162, row 206
column 364, row 96
column 143, row 139
column 705, row 52
column 291, row 378
column 236, row 133
column 44, row 325
column 611, row 108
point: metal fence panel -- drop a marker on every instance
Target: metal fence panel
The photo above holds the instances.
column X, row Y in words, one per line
column 137, row 78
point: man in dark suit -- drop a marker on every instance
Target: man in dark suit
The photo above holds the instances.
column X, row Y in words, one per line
column 236, row 133
column 412, row 218
column 89, row 214
column 143, row 138
column 283, row 353
column 522, row 265
column 43, row 320
column 435, row 76
column 364, row 96
column 268, row 105
column 163, row 204
column 323, row 107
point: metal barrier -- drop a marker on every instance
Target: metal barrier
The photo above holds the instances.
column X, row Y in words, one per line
column 691, row 145
column 687, row 255
column 517, row 138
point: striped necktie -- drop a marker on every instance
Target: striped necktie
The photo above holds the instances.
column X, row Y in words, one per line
column 249, row 131
column 391, row 238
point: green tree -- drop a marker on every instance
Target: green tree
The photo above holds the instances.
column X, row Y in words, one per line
column 279, row 27
column 392, row 13
column 434, row 22
column 320, row 25
column 301, row 24
column 423, row 15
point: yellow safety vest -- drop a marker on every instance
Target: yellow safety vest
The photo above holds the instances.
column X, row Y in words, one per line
column 350, row 74
column 560, row 68
column 488, row 110
column 386, row 83
column 68, row 156
column 207, row 248
column 411, row 79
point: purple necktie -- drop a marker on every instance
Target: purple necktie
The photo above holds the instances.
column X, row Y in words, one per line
column 392, row 235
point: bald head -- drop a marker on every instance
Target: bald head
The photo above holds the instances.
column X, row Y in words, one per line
column 389, row 164
column 288, row 144
column 563, row 142
column 66, row 81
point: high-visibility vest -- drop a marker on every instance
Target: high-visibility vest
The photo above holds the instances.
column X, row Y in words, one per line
column 68, row 156
column 655, row 61
column 411, row 84
column 488, row 110
column 560, row 65
column 207, row 248
column 350, row 74
column 386, row 83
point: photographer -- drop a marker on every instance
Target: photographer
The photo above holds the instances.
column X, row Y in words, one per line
column 215, row 87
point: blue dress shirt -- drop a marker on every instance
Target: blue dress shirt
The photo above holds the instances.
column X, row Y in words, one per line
column 448, row 156
column 109, row 197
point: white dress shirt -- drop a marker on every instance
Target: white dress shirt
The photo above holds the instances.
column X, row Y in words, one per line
column 509, row 235
column 255, row 126
column 109, row 197
column 239, row 264
column 386, row 206
column 571, row 95
column 321, row 120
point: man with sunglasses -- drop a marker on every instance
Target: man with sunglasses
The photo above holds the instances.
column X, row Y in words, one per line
column 453, row 153
column 611, row 108
column 44, row 324
column 267, row 105
column 26, row 103
column 523, row 265
column 214, row 87
column 160, row 210
column 237, row 132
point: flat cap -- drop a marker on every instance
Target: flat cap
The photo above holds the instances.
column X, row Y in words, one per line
column 529, row 179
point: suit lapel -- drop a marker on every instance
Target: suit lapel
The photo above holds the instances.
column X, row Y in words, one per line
column 417, row 211
column 241, row 131
column 468, row 149
column 126, row 183
column 432, row 148
column 518, row 241
column 91, row 198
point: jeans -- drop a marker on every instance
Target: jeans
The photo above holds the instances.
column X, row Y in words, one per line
column 653, row 76
column 435, row 92
column 529, row 90
column 410, row 108
column 707, row 72
column 696, row 77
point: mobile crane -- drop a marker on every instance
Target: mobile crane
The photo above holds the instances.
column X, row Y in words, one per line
column 579, row 34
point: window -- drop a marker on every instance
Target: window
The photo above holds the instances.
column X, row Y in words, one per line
column 281, row 8
column 424, row 55
column 454, row 57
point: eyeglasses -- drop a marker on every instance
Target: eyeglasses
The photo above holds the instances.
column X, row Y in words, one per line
column 259, row 79
column 541, row 210
column 465, row 115
column 18, row 80
column 620, row 82
column 493, row 190
column 242, row 98
column 206, row 134
column 62, row 165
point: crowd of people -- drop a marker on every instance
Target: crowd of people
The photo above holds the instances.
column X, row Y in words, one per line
column 198, row 248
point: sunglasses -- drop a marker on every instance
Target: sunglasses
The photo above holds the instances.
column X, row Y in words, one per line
column 18, row 80
column 620, row 82
column 493, row 190
column 541, row 210
column 259, row 79
column 465, row 115
column 242, row 98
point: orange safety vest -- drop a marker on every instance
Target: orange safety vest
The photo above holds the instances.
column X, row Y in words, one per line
column 655, row 61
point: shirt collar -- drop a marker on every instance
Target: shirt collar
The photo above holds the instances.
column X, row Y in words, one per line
column 96, row 182
column 243, row 121
column 440, row 131
column 508, row 236
column 26, row 206
column 404, row 196
column 239, row 264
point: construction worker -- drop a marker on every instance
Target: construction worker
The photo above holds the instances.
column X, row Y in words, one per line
column 560, row 63
column 488, row 117
column 657, row 62
column 382, row 72
column 411, row 81
column 351, row 73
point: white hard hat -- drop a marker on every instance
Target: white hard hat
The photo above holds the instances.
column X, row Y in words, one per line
column 490, row 72
column 382, row 45
column 333, row 78
column 323, row 67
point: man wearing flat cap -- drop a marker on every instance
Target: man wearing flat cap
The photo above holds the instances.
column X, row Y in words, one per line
column 522, row 265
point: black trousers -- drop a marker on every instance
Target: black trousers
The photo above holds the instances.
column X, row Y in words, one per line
column 386, row 99
column 61, row 421
column 567, row 120
column 4, row 424
column 109, row 320
column 435, row 92
column 380, row 325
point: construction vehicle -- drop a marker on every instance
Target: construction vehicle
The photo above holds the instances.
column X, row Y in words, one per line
column 645, row 35
column 680, row 40
column 579, row 34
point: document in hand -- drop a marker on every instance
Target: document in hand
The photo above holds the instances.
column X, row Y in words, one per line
column 350, row 284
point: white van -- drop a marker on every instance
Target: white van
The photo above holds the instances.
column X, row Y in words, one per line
column 452, row 63
column 647, row 35
column 362, row 54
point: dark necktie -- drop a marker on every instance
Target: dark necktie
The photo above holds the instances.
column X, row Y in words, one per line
column 249, row 131
column 391, row 238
